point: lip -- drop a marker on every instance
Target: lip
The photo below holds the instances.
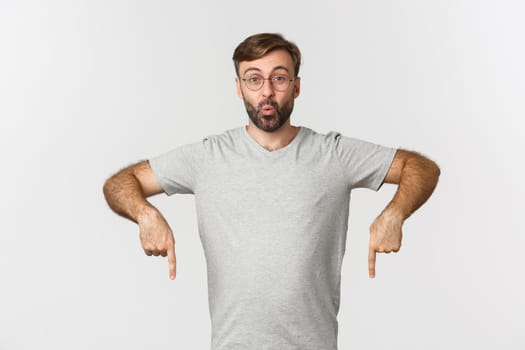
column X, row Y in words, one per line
column 268, row 108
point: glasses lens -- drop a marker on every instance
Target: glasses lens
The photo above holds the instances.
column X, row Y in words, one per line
column 254, row 82
column 279, row 82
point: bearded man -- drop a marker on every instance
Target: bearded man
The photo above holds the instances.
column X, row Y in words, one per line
column 272, row 203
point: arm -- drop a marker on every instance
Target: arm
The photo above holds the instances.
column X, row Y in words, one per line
column 416, row 177
column 126, row 194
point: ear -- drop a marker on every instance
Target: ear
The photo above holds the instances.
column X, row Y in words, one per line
column 238, row 86
column 297, row 87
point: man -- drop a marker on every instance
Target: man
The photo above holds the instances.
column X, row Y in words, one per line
column 272, row 204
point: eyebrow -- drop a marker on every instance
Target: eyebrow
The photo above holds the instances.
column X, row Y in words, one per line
column 274, row 69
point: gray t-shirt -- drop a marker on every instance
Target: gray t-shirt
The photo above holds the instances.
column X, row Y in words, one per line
column 273, row 227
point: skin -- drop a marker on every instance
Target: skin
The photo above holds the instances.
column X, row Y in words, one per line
column 274, row 62
column 416, row 176
column 126, row 194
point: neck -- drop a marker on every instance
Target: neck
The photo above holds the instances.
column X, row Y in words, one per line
column 275, row 140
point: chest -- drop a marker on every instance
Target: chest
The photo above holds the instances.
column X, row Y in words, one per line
column 273, row 189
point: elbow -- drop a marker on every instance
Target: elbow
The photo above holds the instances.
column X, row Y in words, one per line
column 434, row 171
column 107, row 188
column 428, row 169
column 111, row 188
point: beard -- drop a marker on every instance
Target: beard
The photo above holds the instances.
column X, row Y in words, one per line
column 270, row 122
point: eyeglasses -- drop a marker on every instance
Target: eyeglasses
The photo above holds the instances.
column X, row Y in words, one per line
column 279, row 82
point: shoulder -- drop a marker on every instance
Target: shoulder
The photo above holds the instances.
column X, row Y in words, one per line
column 228, row 137
column 347, row 147
column 208, row 142
column 329, row 139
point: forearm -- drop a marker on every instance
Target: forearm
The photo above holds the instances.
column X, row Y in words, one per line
column 417, row 181
column 125, row 195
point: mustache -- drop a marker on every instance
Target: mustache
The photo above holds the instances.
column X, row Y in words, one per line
column 268, row 102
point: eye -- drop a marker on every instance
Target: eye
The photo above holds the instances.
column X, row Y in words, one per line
column 280, row 78
column 253, row 79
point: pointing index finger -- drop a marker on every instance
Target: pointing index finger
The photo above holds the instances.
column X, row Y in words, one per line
column 172, row 261
column 371, row 262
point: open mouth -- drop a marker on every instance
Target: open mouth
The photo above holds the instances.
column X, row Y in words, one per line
column 267, row 109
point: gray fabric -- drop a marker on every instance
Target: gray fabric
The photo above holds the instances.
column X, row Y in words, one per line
column 273, row 227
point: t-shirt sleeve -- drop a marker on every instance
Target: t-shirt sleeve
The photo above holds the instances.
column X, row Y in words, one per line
column 177, row 171
column 364, row 164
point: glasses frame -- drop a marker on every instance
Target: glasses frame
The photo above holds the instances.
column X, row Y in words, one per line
column 271, row 82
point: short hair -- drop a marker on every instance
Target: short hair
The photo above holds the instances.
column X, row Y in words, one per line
column 258, row 45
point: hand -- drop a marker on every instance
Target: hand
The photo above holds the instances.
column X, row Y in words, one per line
column 157, row 238
column 385, row 237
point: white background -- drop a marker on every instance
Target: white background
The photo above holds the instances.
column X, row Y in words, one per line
column 87, row 87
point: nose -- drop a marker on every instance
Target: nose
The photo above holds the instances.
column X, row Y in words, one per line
column 267, row 88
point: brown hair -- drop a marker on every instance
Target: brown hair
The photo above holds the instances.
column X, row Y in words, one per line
column 258, row 45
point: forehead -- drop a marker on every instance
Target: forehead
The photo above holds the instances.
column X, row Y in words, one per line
column 278, row 59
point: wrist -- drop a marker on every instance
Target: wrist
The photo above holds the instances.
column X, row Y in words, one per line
column 394, row 214
column 145, row 213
